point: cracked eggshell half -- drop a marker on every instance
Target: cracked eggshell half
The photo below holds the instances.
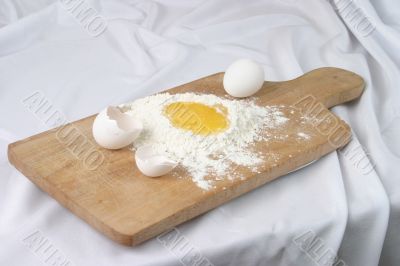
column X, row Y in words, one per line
column 113, row 129
column 152, row 164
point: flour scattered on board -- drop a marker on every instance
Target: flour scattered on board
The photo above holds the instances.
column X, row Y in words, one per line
column 215, row 156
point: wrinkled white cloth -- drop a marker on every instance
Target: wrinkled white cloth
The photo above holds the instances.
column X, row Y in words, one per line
column 347, row 204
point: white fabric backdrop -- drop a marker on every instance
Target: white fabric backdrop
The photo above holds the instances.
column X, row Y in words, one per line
column 149, row 46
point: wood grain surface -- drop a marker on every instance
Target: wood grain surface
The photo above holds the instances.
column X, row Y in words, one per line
column 105, row 188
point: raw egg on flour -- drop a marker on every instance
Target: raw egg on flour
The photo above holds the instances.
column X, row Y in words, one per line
column 199, row 118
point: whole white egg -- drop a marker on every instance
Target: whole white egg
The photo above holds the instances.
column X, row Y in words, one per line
column 113, row 129
column 243, row 78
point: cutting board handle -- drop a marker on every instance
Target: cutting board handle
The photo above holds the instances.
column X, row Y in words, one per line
column 330, row 85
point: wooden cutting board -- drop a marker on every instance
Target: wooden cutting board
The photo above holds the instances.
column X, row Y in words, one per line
column 105, row 189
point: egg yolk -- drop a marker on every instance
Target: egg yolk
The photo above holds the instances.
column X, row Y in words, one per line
column 199, row 118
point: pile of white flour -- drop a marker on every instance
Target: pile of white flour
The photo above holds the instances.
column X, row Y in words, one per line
column 206, row 158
